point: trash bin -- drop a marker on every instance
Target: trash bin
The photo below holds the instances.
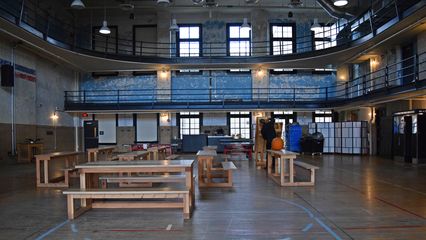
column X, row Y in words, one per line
column 313, row 143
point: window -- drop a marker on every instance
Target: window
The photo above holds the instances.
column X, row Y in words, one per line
column 322, row 116
column 239, row 70
column 188, row 40
column 239, row 40
column 189, row 123
column 323, row 37
column 283, row 39
column 282, row 71
column 189, row 72
column 239, row 124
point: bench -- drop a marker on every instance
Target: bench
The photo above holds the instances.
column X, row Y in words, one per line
column 310, row 168
column 224, row 172
column 172, row 157
column 141, row 179
column 69, row 173
column 140, row 193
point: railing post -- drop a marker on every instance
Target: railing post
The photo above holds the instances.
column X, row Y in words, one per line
column 141, row 48
column 118, row 97
column 21, row 13
column 416, row 68
column 294, row 95
column 346, row 90
column 84, row 96
column 364, row 87
column 326, row 94
column 386, row 77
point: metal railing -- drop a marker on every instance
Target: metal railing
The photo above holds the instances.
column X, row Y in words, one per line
column 408, row 72
column 62, row 29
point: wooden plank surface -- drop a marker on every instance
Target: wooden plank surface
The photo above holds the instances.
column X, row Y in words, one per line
column 137, row 164
column 208, row 153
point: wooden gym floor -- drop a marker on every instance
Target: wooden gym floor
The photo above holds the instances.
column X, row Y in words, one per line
column 354, row 198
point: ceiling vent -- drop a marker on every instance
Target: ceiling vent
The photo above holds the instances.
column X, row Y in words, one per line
column 295, row 3
column 127, row 6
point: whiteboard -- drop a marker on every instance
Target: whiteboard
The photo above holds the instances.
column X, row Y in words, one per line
column 146, row 127
column 107, row 128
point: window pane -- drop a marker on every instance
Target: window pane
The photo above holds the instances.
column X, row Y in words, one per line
column 287, row 32
column 277, row 32
column 194, row 32
column 244, row 33
column 184, row 32
column 234, row 32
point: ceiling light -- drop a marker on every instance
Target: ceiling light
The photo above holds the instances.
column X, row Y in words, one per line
column 197, row 1
column 105, row 29
column 174, row 26
column 340, row 3
column 163, row 3
column 77, row 4
column 316, row 26
column 245, row 25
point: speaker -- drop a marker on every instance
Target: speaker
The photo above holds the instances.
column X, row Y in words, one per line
column 7, row 76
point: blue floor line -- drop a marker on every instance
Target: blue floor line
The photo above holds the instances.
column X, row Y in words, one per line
column 51, row 230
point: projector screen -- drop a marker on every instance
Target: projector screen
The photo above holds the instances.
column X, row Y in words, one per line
column 146, row 127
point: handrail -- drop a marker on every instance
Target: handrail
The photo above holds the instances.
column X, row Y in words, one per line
column 64, row 30
column 405, row 73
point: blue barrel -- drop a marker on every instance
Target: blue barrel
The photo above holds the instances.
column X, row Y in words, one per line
column 293, row 136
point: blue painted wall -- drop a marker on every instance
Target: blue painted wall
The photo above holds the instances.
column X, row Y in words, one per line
column 212, row 88
column 141, row 88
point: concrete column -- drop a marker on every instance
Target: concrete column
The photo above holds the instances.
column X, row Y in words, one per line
column 164, row 85
column 259, row 32
column 260, row 84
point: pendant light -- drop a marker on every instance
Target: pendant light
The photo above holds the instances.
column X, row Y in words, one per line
column 77, row 4
column 340, row 3
column 245, row 25
column 174, row 26
column 104, row 29
column 316, row 26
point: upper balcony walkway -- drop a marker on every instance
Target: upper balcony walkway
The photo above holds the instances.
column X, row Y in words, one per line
column 401, row 80
column 94, row 52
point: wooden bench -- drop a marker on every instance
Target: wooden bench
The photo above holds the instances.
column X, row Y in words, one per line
column 69, row 173
column 172, row 157
column 141, row 179
column 310, row 168
column 224, row 172
column 140, row 193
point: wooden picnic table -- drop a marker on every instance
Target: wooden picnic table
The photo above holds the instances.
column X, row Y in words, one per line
column 95, row 152
column 279, row 175
column 89, row 172
column 156, row 152
column 44, row 174
column 135, row 155
column 206, row 171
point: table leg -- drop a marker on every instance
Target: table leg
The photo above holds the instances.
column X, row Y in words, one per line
column 269, row 163
column 282, row 162
column 46, row 171
column 291, row 170
column 190, row 186
column 208, row 169
column 83, row 187
column 200, row 171
column 38, row 172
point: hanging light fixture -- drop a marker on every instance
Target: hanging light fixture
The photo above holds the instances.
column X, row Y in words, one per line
column 174, row 26
column 104, row 29
column 340, row 3
column 77, row 4
column 163, row 3
column 315, row 26
column 245, row 25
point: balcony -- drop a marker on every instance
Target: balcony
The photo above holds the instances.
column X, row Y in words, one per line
column 400, row 80
column 65, row 35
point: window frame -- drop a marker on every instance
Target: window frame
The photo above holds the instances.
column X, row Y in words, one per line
column 229, row 39
column 179, row 116
column 315, row 115
column 199, row 39
column 249, row 116
column 322, row 39
column 272, row 38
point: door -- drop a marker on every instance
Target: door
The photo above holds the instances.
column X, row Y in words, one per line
column 421, row 138
column 408, row 132
column 145, row 40
column 408, row 64
column 91, row 138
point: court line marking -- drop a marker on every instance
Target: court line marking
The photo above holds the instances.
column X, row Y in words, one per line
column 307, row 227
column 169, row 227
column 50, row 231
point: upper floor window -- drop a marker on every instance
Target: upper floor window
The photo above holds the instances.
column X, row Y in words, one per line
column 282, row 38
column 324, row 37
column 188, row 40
column 239, row 40
column 323, row 116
